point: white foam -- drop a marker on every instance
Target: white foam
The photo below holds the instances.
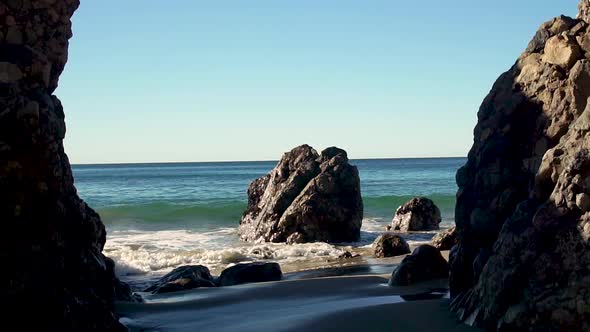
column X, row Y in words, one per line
column 139, row 252
column 144, row 252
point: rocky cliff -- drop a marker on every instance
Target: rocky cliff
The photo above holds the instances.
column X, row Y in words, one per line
column 523, row 221
column 306, row 198
column 54, row 276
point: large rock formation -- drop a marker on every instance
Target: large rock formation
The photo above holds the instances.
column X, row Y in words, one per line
column 54, row 275
column 522, row 214
column 418, row 214
column 306, row 198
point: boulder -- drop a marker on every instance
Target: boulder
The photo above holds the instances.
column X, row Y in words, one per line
column 183, row 278
column 561, row 51
column 51, row 242
column 250, row 273
column 124, row 293
column 306, row 198
column 445, row 240
column 389, row 245
column 523, row 226
column 425, row 263
column 418, row 214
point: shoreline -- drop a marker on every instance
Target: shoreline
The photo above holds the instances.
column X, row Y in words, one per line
column 364, row 263
column 341, row 303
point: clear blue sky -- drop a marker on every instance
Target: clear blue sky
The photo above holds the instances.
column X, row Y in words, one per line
column 185, row 80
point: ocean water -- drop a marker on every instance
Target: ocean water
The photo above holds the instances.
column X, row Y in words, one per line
column 160, row 216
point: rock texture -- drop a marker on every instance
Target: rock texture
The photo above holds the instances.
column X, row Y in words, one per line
column 425, row 263
column 389, row 245
column 418, row 214
column 51, row 241
column 183, row 278
column 306, row 198
column 523, row 257
column 445, row 240
column 249, row 273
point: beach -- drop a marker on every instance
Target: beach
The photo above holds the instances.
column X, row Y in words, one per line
column 343, row 303
column 162, row 216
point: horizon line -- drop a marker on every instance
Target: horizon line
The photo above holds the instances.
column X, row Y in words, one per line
column 244, row 161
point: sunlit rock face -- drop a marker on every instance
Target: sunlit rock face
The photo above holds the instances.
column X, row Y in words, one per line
column 523, row 205
column 54, row 276
column 307, row 197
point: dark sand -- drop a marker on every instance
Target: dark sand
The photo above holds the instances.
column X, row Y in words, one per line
column 344, row 303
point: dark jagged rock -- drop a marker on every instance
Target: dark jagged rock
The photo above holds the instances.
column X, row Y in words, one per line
column 389, row 245
column 418, row 214
column 445, row 240
column 425, row 263
column 523, row 257
column 51, row 243
column 124, row 293
column 250, row 273
column 306, row 198
column 183, row 278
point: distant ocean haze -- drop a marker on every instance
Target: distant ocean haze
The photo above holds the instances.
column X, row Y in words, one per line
column 162, row 215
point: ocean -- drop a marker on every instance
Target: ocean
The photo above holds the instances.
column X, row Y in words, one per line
column 162, row 215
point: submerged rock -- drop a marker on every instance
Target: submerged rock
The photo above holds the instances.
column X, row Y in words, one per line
column 425, row 263
column 521, row 263
column 445, row 240
column 250, row 273
column 183, row 278
column 389, row 245
column 54, row 274
column 418, row 214
column 306, row 198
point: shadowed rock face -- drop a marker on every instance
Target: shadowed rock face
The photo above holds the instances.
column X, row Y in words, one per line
column 54, row 276
column 425, row 263
column 522, row 214
column 445, row 240
column 306, row 198
column 389, row 245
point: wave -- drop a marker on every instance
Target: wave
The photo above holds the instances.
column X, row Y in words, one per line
column 214, row 213
column 228, row 213
column 376, row 206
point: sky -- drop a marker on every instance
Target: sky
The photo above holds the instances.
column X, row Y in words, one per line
column 186, row 80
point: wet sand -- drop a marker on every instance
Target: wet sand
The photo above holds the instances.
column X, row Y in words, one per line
column 343, row 303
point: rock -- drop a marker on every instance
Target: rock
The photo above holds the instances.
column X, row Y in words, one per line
column 445, row 240
column 418, row 214
column 306, row 198
column 389, row 245
column 583, row 202
column 561, row 51
column 348, row 255
column 522, row 200
column 584, row 11
column 425, row 263
column 124, row 293
column 52, row 242
column 250, row 273
column 183, row 278
column 9, row 73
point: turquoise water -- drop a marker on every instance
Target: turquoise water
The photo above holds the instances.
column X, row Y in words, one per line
column 209, row 195
column 162, row 215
